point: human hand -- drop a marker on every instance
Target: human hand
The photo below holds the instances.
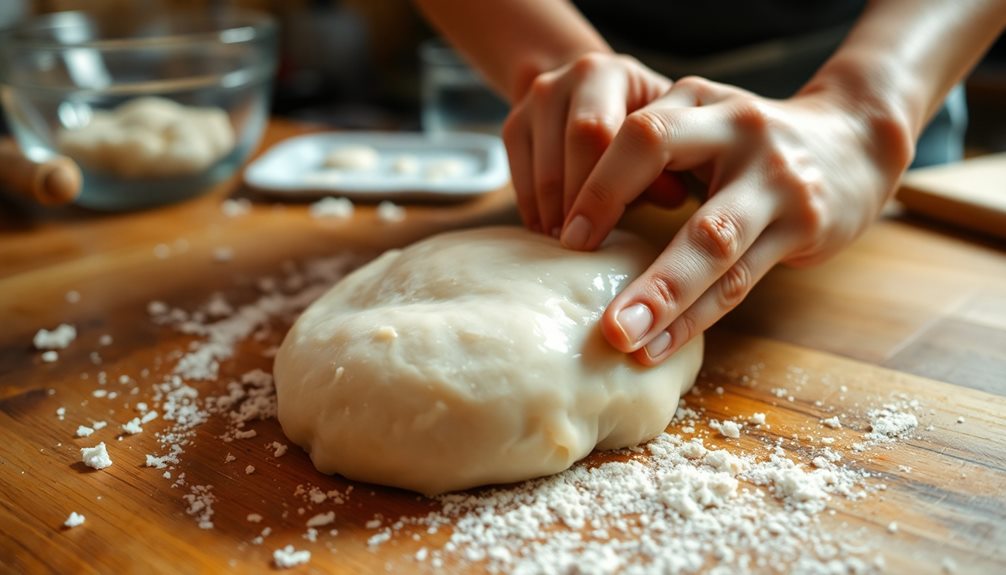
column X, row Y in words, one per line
column 792, row 181
column 555, row 135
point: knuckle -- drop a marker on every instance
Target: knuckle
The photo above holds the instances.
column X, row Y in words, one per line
column 735, row 285
column 513, row 128
column 685, row 328
column 718, row 235
column 587, row 64
column 752, row 116
column 542, row 87
column 598, row 194
column 646, row 129
column 593, row 130
column 692, row 83
column 796, row 175
column 664, row 291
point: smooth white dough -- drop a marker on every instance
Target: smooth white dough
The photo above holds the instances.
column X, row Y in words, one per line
column 472, row 358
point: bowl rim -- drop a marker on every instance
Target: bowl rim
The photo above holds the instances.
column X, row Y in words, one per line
column 247, row 25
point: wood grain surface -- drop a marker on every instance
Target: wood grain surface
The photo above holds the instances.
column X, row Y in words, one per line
column 909, row 311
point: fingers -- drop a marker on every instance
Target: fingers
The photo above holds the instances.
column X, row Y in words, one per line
column 517, row 139
column 597, row 109
column 715, row 238
column 549, row 101
column 721, row 297
column 650, row 140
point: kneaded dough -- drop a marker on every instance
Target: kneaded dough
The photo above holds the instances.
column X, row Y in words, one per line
column 472, row 358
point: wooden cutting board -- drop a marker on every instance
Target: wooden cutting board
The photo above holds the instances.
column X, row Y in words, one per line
column 969, row 194
column 905, row 312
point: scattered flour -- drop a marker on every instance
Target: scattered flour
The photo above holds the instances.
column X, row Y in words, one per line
column 889, row 423
column 59, row 338
column 74, row 520
column 671, row 506
column 289, row 557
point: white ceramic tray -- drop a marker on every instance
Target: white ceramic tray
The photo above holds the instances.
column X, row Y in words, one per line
column 295, row 167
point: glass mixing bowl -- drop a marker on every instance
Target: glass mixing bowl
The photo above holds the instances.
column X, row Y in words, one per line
column 153, row 109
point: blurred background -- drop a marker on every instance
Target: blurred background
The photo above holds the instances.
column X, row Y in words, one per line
column 355, row 64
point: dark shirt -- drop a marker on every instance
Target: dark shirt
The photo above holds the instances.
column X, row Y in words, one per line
column 703, row 27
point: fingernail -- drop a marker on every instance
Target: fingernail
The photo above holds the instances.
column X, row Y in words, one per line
column 659, row 345
column 576, row 234
column 634, row 321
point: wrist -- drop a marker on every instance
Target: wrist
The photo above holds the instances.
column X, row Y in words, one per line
column 882, row 102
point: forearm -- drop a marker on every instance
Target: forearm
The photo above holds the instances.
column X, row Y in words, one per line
column 903, row 56
column 512, row 41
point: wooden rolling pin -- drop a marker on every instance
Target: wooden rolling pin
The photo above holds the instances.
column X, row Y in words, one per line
column 54, row 182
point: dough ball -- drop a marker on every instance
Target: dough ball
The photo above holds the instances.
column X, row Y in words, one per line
column 353, row 158
column 151, row 137
column 446, row 169
column 405, row 165
column 472, row 358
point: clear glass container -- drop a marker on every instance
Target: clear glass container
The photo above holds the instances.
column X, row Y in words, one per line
column 154, row 109
column 454, row 97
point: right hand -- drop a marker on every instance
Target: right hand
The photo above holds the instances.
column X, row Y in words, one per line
column 567, row 119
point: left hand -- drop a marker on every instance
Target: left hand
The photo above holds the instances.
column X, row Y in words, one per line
column 790, row 181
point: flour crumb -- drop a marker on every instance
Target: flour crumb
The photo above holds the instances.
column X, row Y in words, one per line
column 59, row 338
column 960, row 419
column 757, row 419
column 279, row 449
column 74, row 520
column 72, row 296
column 832, row 422
column 321, row 519
column 288, row 557
column 892, row 527
column 95, row 457
column 235, row 207
column 329, row 207
column 61, row 413
column 390, row 213
column 727, row 428
column 50, row 356
column 223, row 254
column 249, row 470
column 254, row 518
column 132, row 427
column 84, row 431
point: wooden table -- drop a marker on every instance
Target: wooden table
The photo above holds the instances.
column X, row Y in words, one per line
column 907, row 309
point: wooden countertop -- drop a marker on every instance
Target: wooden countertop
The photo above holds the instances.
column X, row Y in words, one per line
column 908, row 309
